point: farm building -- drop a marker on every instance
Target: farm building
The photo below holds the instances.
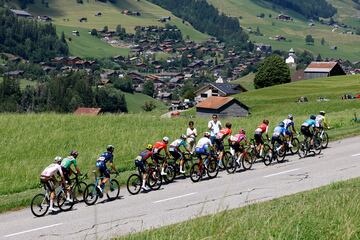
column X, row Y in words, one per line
column 323, row 69
column 88, row 111
column 21, row 13
column 222, row 106
column 218, row 89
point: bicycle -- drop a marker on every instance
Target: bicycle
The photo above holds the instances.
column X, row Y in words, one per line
column 78, row 187
column 256, row 153
column 208, row 166
column 168, row 169
column 244, row 159
column 41, row 202
column 306, row 147
column 322, row 134
column 91, row 193
column 188, row 161
column 154, row 180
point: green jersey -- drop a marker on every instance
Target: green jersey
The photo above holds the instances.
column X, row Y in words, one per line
column 66, row 162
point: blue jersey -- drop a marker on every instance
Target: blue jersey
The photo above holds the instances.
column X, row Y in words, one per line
column 279, row 131
column 103, row 159
column 309, row 123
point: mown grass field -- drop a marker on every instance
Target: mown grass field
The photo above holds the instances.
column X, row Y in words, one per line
column 66, row 15
column 247, row 81
column 348, row 45
column 330, row 212
column 30, row 141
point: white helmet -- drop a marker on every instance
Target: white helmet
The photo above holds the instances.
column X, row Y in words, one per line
column 165, row 139
column 57, row 159
column 183, row 136
column 206, row 134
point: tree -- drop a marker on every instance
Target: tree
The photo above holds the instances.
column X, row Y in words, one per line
column 318, row 58
column 105, row 29
column 272, row 71
column 148, row 106
column 309, row 40
column 111, row 100
column 322, row 41
column 149, row 88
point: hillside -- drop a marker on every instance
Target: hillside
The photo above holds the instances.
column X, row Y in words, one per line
column 66, row 13
column 131, row 132
column 296, row 30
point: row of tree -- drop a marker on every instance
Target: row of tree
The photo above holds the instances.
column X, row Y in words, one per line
column 206, row 18
column 308, row 8
column 60, row 94
column 29, row 39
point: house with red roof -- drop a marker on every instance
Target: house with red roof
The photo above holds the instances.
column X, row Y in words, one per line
column 222, row 106
column 323, row 69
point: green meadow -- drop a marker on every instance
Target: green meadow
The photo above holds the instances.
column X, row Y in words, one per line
column 30, row 141
column 295, row 31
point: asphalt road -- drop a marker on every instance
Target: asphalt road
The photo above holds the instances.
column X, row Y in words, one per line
column 183, row 200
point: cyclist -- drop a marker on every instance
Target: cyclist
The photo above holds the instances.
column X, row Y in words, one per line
column 191, row 134
column 66, row 168
column 219, row 140
column 262, row 128
column 214, row 127
column 157, row 148
column 321, row 121
column 237, row 142
column 176, row 152
column 203, row 145
column 278, row 136
column 305, row 128
column 290, row 128
column 48, row 179
column 104, row 171
column 141, row 163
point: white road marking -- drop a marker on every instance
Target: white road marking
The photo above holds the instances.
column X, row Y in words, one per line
column 168, row 199
column 32, row 230
column 279, row 173
column 355, row 155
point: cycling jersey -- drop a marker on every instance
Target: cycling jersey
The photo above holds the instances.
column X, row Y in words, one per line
column 320, row 121
column 177, row 144
column 145, row 155
column 263, row 128
column 66, row 162
column 279, row 131
column 309, row 123
column 288, row 123
column 223, row 133
column 103, row 159
column 51, row 170
column 158, row 146
column 240, row 137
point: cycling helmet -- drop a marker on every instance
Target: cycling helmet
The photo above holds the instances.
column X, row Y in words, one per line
column 281, row 124
column 149, row 147
column 57, row 159
column 266, row 121
column 165, row 139
column 313, row 117
column 74, row 153
column 322, row 113
column 242, row 130
column 183, row 136
column 206, row 134
column 290, row 116
column 110, row 148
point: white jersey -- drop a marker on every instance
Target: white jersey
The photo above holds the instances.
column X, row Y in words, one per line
column 203, row 141
column 214, row 127
column 319, row 120
column 288, row 123
column 51, row 170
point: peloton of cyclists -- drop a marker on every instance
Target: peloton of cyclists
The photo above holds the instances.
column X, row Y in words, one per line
column 176, row 152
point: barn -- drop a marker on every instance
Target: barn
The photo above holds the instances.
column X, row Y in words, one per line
column 323, row 69
column 222, row 106
column 88, row 111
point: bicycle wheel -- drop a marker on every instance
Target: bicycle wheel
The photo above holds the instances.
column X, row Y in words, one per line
column 281, row 153
column 134, row 184
column 222, row 164
column 63, row 204
column 170, row 174
column 303, row 149
column 195, row 173
column 212, row 168
column 296, row 146
column 114, row 190
column 246, row 161
column 154, row 179
column 325, row 140
column 230, row 162
column 267, row 159
column 90, row 195
column 39, row 205
column 78, row 191
column 187, row 167
column 317, row 145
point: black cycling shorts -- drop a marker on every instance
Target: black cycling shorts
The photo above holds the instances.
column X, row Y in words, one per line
column 104, row 172
column 219, row 143
column 306, row 131
column 276, row 139
column 48, row 184
column 258, row 139
column 140, row 164
column 176, row 155
column 66, row 173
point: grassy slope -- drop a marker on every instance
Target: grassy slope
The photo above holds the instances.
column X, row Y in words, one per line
column 246, row 81
column 136, row 101
column 69, row 9
column 25, row 136
column 295, row 31
column 347, row 13
column 330, row 212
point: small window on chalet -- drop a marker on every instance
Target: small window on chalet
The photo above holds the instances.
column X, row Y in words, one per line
column 214, row 94
column 204, row 95
column 215, row 91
